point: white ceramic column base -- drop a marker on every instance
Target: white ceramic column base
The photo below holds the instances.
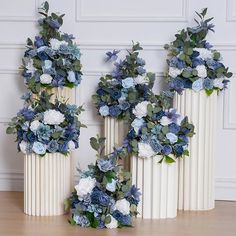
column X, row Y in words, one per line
column 47, row 183
column 158, row 184
column 196, row 172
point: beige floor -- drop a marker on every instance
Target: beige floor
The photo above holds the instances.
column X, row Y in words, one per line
column 218, row 222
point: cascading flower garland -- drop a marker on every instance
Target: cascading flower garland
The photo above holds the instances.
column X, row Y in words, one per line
column 193, row 63
column 52, row 59
column 127, row 85
column 43, row 127
column 158, row 130
column 104, row 196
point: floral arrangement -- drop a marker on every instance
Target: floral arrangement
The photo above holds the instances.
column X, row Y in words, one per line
column 127, row 85
column 43, row 127
column 158, row 130
column 104, row 196
column 193, row 63
column 52, row 59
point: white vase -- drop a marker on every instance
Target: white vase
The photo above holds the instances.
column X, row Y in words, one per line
column 196, row 172
column 158, row 184
column 47, row 183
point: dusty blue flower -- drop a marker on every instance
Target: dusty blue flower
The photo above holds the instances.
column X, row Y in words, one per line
column 172, row 137
column 128, row 83
column 167, row 149
column 114, row 111
column 177, row 84
column 178, row 149
column 39, row 42
column 137, row 124
column 39, row 148
column 99, row 197
column 43, row 132
column 116, row 94
column 208, row 83
column 71, row 76
column 123, row 219
column 81, row 220
column 174, row 128
column 104, row 110
column 52, row 146
column 156, row 146
column 106, row 164
column 124, row 105
column 27, row 113
column 197, row 85
column 112, row 55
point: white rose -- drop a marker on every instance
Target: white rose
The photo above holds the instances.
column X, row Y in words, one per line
column 123, row 206
column 140, row 109
column 30, row 66
column 174, row 72
column 201, row 71
column 218, row 83
column 55, row 43
column 71, row 76
column 85, row 186
column 204, row 53
column 111, row 186
column 34, row 125
column 45, row 79
column 23, row 146
column 53, row 117
column 141, row 80
column 165, row 121
column 145, row 150
column 71, row 145
column 113, row 224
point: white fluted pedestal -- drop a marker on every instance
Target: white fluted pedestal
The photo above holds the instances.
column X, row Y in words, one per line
column 47, row 183
column 196, row 172
column 114, row 132
column 158, row 184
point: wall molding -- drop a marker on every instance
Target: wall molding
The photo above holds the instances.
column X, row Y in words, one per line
column 230, row 16
column 80, row 17
column 225, row 189
column 11, row 181
column 227, row 124
column 19, row 18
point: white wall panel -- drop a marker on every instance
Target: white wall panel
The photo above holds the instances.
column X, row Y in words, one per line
column 104, row 25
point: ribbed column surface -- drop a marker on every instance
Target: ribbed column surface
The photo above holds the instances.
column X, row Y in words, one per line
column 158, row 184
column 47, row 183
column 196, row 172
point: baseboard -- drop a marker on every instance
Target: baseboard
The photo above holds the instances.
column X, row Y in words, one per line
column 11, row 181
column 225, row 189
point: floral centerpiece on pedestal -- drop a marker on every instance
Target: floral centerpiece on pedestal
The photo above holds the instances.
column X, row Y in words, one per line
column 52, row 59
column 104, row 196
column 127, row 85
column 193, row 63
column 43, row 127
column 158, row 130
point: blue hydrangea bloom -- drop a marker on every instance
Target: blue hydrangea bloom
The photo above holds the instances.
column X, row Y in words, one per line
column 43, row 132
column 27, row 113
column 39, row 42
column 39, row 148
column 128, row 83
column 174, row 128
column 208, row 83
column 104, row 110
column 172, row 137
column 123, row 219
column 156, row 146
column 114, row 111
column 167, row 149
column 177, row 84
column 106, row 164
column 99, row 197
column 81, row 220
column 178, row 149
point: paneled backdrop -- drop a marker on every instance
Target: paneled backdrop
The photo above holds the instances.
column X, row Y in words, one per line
column 100, row 26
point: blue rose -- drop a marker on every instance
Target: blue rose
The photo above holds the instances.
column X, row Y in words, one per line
column 122, row 219
column 39, row 148
column 27, row 113
column 99, row 197
column 105, row 165
column 115, row 94
column 178, row 149
column 114, row 111
column 52, row 146
column 177, row 84
column 31, row 137
column 167, row 149
column 63, row 147
column 104, row 110
column 39, row 42
column 208, row 83
column 124, row 105
column 156, row 146
column 101, row 92
column 128, row 83
column 174, row 128
column 197, row 85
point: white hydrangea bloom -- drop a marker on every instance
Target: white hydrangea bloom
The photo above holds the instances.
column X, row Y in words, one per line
column 204, row 53
column 113, row 224
column 145, row 150
column 34, row 125
column 71, row 145
column 201, row 71
column 218, row 83
column 140, row 109
column 23, row 146
column 55, row 43
column 85, row 186
column 45, row 79
column 53, row 117
column 174, row 72
column 123, row 206
column 141, row 80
